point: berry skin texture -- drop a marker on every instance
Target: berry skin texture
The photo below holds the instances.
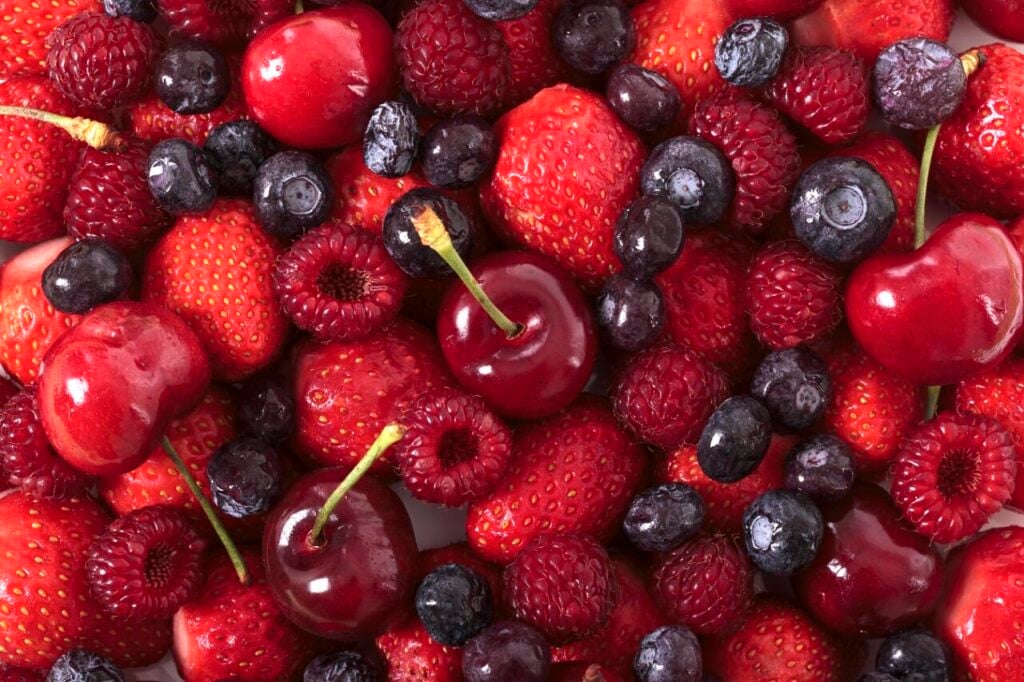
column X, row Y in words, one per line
column 998, row 17
column 403, row 242
column 533, row 62
column 245, row 477
column 642, row 98
column 87, row 274
column 631, row 313
column 570, row 137
column 391, row 139
column 192, row 78
column 347, row 666
column 794, row 385
column 151, row 120
column 292, row 193
column 361, row 197
column 952, row 474
column 918, row 83
column 28, row 28
column 181, row 178
column 915, row 653
column 222, row 22
column 592, row 35
column 751, row 51
column 236, row 150
column 410, row 654
column 129, row 646
column 454, row 603
column 563, row 585
column 508, row 650
column 669, row 654
column 458, row 151
column 663, row 517
column 822, row 468
column 694, row 174
column 79, row 664
column 735, row 439
column 782, row 531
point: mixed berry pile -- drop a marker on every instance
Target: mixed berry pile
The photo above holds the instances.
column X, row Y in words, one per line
column 644, row 287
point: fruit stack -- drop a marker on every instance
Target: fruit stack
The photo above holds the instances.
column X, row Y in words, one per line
column 642, row 291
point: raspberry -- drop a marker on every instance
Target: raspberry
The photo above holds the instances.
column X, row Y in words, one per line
column 338, row 283
column 222, row 21
column 952, row 474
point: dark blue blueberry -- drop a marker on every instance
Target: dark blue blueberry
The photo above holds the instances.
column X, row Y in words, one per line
column 79, row 665
column 292, row 193
column 237, row 149
column 642, row 98
column 192, row 77
column 751, row 51
column 782, row 530
column 142, row 11
column 347, row 666
column 663, row 517
column 918, row 83
column 878, row 677
column 403, row 243
column 500, row 10
column 391, row 140
column 593, row 35
column 794, row 385
column 842, row 209
column 245, row 477
column 508, row 651
column 631, row 312
column 915, row 655
column 735, row 439
column 85, row 275
column 266, row 409
column 181, row 178
column 649, row 236
column 454, row 604
column 458, row 151
column 693, row 173
column 669, row 654
column 822, row 468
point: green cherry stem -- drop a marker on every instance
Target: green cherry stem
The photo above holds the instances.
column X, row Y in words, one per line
column 95, row 134
column 218, row 527
column 931, row 405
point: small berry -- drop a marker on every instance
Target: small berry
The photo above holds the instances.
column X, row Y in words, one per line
column 181, row 177
column 644, row 99
column 919, row 83
column 649, row 236
column 669, row 654
column 508, row 651
column 782, row 530
column 877, row 677
column 454, row 604
column 143, row 11
column 750, row 51
column 347, row 666
column 631, row 312
column 795, row 387
column 735, row 439
column 500, row 10
column 663, row 517
column 821, row 468
column 192, row 77
column 916, row 656
column 391, row 140
column 245, row 477
column 459, row 151
column 85, row 275
column 292, row 193
column 237, row 149
column 593, row 35
column 694, row 174
column 403, row 242
column 79, row 665
column 266, row 409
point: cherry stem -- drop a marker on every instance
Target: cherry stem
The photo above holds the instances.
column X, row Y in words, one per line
column 389, row 435
column 229, row 545
column 931, row 405
column 435, row 236
column 95, row 134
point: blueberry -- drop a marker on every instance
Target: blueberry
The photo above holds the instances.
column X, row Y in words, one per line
column 631, row 312
column 915, row 655
column 391, row 140
column 878, row 677
column 500, row 10
column 782, row 530
column 649, row 236
column 592, row 35
column 245, row 477
column 85, row 275
column 508, row 651
column 454, row 604
column 663, row 517
column 794, row 385
column 181, row 178
column 693, row 173
column 842, row 209
column 751, row 51
column 347, row 666
column 192, row 77
column 735, row 439
column 237, row 149
column 669, row 654
column 403, row 243
column 458, row 151
column 79, row 665
column 918, row 83
column 292, row 193
column 822, row 468
column 266, row 409
column 642, row 98
column 142, row 11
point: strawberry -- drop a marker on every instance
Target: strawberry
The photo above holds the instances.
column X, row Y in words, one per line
column 45, row 607
column 28, row 323
column 533, row 62
column 573, row 472
column 567, row 138
column 25, row 27
column 215, row 270
column 362, row 198
column 412, row 656
column 977, row 164
column 128, row 645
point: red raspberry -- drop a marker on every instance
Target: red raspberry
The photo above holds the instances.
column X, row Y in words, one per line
column 452, row 60
column 102, row 62
column 665, row 394
column 793, row 296
column 706, row 584
column 952, row 474
column 563, row 585
column 222, row 21
column 338, row 283
column 147, row 564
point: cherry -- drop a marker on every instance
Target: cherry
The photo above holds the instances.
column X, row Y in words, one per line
column 1004, row 18
column 872, row 575
column 313, row 80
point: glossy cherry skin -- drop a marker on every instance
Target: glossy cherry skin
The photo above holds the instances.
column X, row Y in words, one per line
column 949, row 310
column 1004, row 18
column 359, row 579
column 312, row 80
column 112, row 384
column 873, row 575
column 542, row 368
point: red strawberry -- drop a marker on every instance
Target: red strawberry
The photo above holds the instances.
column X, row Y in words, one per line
column 412, row 656
column 216, row 271
column 25, row 27
column 28, row 323
column 20, row 674
column 569, row 139
column 776, row 643
column 362, row 198
column 762, row 151
column 222, row 21
column 574, row 472
column 533, row 62
column 45, row 607
column 976, row 163
column 128, row 645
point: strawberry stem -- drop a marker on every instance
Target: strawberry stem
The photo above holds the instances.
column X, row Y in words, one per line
column 435, row 236
column 389, row 435
column 229, row 545
column 95, row 134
